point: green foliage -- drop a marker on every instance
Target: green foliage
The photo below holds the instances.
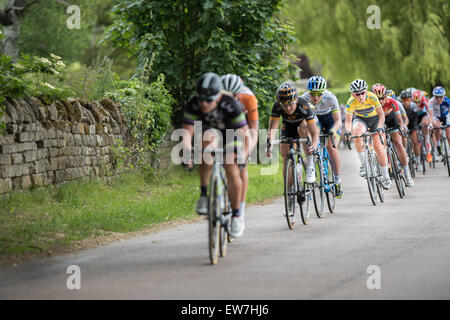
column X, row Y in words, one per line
column 39, row 37
column 147, row 108
column 411, row 48
column 188, row 38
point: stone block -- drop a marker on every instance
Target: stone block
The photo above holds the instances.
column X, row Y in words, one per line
column 17, row 158
column 30, row 156
column 5, row 185
column 25, row 182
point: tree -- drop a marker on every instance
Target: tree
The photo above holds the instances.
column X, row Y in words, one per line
column 11, row 18
column 185, row 38
column 410, row 49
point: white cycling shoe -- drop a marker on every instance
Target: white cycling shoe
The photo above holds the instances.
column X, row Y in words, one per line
column 202, row 206
column 386, row 183
column 310, row 175
column 409, row 181
column 237, row 227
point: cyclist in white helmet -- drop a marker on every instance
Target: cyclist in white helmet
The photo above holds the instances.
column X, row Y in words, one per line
column 369, row 115
column 326, row 108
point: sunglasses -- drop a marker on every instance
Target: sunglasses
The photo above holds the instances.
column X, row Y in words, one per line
column 315, row 93
column 381, row 98
column 208, row 100
column 360, row 94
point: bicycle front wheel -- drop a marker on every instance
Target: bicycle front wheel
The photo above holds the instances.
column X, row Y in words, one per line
column 331, row 193
column 380, row 188
column 214, row 223
column 290, row 193
column 445, row 154
column 318, row 188
column 396, row 172
column 371, row 177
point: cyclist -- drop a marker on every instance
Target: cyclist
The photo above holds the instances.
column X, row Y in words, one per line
column 413, row 124
column 326, row 108
column 393, row 119
column 217, row 111
column 234, row 84
column 298, row 121
column 425, row 116
column 440, row 104
column 369, row 115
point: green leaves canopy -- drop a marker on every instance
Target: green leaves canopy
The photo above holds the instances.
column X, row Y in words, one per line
column 410, row 49
column 187, row 38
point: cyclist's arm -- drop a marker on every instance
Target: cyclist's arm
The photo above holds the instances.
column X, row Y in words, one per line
column 348, row 122
column 273, row 126
column 381, row 117
column 313, row 131
column 337, row 120
column 187, row 135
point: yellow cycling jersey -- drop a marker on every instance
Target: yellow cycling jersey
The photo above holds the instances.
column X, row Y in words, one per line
column 365, row 110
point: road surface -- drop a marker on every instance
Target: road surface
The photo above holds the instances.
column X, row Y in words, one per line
column 400, row 249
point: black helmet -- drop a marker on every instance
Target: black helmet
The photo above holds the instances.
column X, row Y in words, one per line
column 209, row 86
column 405, row 94
column 287, row 93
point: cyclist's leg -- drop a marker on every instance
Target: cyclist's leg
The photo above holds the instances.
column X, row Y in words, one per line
column 302, row 131
column 210, row 140
column 437, row 134
column 358, row 128
column 426, row 133
column 287, row 131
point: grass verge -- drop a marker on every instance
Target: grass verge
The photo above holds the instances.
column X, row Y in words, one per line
column 39, row 220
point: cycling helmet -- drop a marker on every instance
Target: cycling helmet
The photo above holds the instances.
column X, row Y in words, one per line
column 287, row 93
column 358, row 85
column 391, row 93
column 417, row 96
column 317, row 83
column 209, row 86
column 379, row 90
column 231, row 83
column 405, row 94
column 438, row 92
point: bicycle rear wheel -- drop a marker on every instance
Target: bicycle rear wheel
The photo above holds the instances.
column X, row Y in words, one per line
column 371, row 177
column 411, row 162
column 396, row 172
column 378, row 175
column 290, row 194
column 224, row 226
column 318, row 188
column 331, row 193
column 214, row 223
column 308, row 189
column 423, row 152
column 433, row 159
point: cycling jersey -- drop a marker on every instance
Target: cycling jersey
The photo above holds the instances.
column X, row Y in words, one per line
column 390, row 105
column 327, row 104
column 366, row 109
column 402, row 109
column 412, row 114
column 227, row 115
column 439, row 110
column 423, row 105
column 250, row 103
column 302, row 111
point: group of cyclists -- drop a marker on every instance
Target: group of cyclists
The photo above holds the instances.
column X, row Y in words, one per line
column 223, row 103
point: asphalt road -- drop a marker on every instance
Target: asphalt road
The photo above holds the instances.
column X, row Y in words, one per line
column 408, row 242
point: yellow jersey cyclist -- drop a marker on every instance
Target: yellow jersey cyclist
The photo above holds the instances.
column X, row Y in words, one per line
column 326, row 108
column 368, row 115
column 219, row 112
column 243, row 95
column 298, row 122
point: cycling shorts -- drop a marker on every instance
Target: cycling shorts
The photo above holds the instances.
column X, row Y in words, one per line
column 370, row 123
column 391, row 122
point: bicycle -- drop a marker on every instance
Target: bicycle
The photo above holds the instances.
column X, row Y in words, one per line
column 395, row 170
column 444, row 147
column 295, row 191
column 219, row 210
column 411, row 156
column 373, row 172
column 325, row 185
column 423, row 148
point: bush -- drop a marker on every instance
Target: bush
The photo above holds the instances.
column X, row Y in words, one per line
column 148, row 110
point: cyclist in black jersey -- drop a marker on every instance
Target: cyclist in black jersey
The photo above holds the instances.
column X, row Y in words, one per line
column 298, row 121
column 218, row 112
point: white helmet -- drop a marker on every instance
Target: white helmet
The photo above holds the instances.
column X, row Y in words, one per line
column 232, row 83
column 358, row 85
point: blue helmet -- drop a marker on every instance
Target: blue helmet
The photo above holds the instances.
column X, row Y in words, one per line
column 316, row 83
column 391, row 93
column 438, row 92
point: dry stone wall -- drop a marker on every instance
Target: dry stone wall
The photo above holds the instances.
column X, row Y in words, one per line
column 50, row 143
